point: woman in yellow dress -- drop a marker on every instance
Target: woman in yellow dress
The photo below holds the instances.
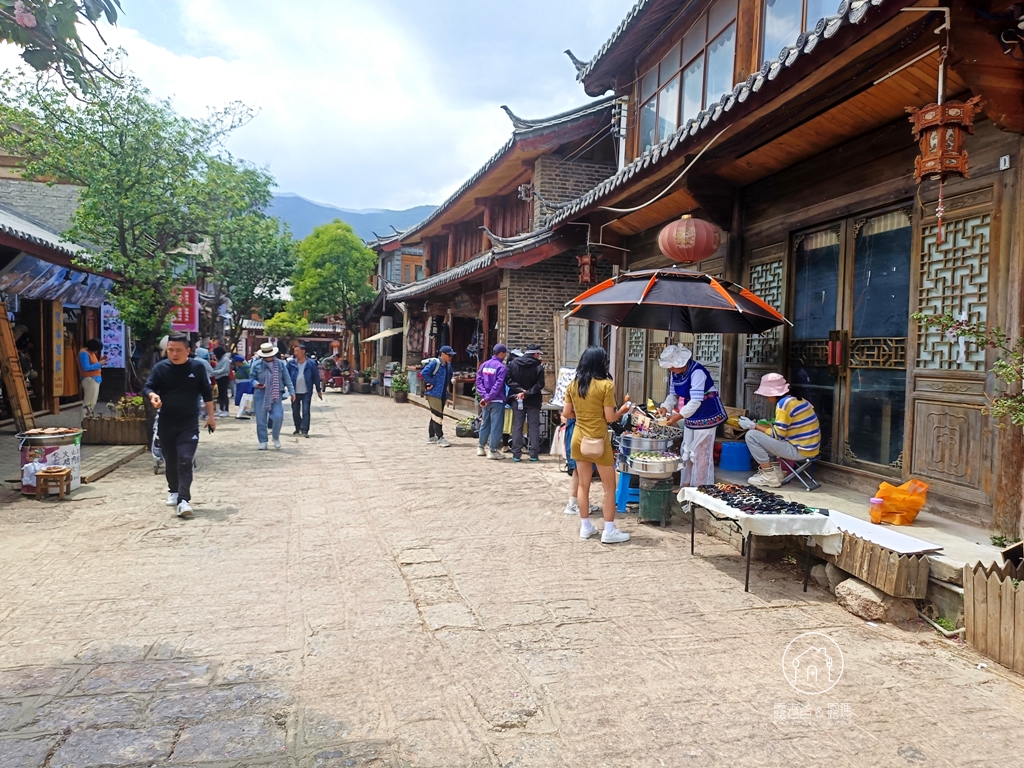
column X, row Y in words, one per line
column 590, row 399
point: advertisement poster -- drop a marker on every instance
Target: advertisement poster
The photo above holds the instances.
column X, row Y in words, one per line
column 112, row 336
column 185, row 316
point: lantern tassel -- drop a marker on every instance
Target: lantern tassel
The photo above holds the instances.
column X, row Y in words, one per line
column 939, row 210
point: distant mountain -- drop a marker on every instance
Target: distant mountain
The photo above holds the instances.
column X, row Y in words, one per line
column 304, row 215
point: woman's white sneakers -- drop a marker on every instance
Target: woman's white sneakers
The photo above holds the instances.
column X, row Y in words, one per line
column 614, row 536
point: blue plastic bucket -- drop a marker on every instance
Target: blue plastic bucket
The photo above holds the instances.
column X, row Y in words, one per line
column 735, row 457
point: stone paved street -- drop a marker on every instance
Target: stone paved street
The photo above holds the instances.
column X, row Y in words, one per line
column 363, row 599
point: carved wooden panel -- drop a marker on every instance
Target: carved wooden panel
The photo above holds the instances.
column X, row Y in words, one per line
column 878, row 353
column 948, row 443
column 766, row 281
column 953, row 278
column 708, row 348
column 812, row 352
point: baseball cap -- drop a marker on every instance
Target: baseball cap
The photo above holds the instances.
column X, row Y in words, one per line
column 446, row 350
column 499, row 348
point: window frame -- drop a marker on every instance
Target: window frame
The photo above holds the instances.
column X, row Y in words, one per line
column 764, row 28
column 681, row 65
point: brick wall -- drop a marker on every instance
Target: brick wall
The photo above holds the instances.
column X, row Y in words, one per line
column 560, row 181
column 536, row 293
column 52, row 206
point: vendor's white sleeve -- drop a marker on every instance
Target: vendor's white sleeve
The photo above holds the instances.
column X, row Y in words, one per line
column 690, row 408
column 698, row 383
column 670, row 402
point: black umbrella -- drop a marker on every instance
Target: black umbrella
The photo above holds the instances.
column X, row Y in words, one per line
column 678, row 301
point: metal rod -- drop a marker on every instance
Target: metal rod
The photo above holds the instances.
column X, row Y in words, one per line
column 910, row 63
column 746, row 584
column 807, row 563
column 693, row 525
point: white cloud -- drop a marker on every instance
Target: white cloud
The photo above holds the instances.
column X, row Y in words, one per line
column 363, row 105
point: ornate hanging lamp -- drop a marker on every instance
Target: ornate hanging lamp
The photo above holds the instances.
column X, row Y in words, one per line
column 940, row 129
column 689, row 240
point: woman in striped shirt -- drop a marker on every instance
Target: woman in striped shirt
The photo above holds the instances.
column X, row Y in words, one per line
column 794, row 436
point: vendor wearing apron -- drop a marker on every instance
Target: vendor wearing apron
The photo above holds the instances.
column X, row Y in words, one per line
column 693, row 399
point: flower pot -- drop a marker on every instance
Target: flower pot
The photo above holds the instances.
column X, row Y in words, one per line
column 401, row 397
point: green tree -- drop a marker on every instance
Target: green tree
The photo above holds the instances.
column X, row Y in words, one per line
column 332, row 276
column 285, row 327
column 142, row 168
column 47, row 31
column 251, row 254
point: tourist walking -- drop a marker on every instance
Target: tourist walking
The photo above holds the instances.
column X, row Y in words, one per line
column 222, row 374
column 173, row 387
column 590, row 399
column 90, row 365
column 525, row 387
column 305, row 378
column 437, row 377
column 270, row 384
column 490, row 388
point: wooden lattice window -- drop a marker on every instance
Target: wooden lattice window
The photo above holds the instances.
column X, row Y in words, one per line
column 766, row 282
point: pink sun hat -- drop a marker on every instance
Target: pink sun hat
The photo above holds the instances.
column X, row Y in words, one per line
column 772, row 385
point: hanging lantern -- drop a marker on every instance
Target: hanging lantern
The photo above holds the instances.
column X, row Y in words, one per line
column 940, row 129
column 689, row 240
column 586, row 262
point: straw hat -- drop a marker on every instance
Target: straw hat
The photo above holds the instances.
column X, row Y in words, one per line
column 267, row 350
column 675, row 356
column 772, row 385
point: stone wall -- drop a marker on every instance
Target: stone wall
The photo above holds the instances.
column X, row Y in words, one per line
column 559, row 181
column 51, row 206
column 536, row 293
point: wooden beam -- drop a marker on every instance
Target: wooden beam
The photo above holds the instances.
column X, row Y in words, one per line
column 449, row 260
column 716, row 197
column 485, row 240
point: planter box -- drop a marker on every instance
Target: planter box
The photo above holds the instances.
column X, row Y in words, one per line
column 895, row 574
column 401, row 397
column 114, row 432
column 994, row 612
column 363, row 389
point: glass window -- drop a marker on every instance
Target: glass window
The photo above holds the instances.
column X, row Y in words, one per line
column 783, row 22
column 721, row 15
column 668, row 109
column 818, row 9
column 649, row 84
column 669, row 65
column 693, row 89
column 721, row 64
column 648, row 122
column 419, row 272
column 693, row 41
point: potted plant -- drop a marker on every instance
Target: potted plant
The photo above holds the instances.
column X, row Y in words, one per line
column 400, row 385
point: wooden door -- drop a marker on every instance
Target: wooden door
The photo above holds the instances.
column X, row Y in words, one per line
column 636, row 357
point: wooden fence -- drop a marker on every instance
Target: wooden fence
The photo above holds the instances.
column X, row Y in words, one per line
column 895, row 574
column 994, row 612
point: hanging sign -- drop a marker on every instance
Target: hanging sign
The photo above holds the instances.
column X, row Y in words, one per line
column 185, row 315
column 112, row 336
column 57, row 377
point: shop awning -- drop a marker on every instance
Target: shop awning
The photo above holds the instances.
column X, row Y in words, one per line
column 33, row 278
column 384, row 334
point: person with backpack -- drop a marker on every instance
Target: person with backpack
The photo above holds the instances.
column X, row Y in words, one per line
column 437, row 376
column 526, row 383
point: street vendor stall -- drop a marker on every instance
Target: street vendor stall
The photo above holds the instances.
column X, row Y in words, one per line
column 756, row 512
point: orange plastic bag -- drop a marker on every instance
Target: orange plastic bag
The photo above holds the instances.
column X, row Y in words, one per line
column 900, row 505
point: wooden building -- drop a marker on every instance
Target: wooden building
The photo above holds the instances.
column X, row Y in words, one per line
column 491, row 270
column 785, row 124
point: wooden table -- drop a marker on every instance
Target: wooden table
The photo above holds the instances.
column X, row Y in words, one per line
column 60, row 478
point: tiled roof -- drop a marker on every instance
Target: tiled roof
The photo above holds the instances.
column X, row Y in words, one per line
column 850, row 12
column 257, row 325
column 530, row 129
column 493, row 257
column 18, row 225
column 624, row 25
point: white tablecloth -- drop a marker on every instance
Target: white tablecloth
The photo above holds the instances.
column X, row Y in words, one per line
column 825, row 532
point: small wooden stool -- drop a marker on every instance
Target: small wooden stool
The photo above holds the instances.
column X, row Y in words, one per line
column 58, row 477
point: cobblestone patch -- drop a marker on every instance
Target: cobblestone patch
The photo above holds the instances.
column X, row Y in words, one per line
column 247, row 737
column 143, row 676
column 114, row 747
column 34, row 680
column 25, row 753
column 88, row 712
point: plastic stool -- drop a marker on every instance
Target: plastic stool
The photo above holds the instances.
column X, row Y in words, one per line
column 624, row 494
column 735, row 457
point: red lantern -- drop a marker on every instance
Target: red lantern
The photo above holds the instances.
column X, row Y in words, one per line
column 940, row 129
column 689, row 240
column 586, row 262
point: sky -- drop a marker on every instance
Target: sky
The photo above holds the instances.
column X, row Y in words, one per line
column 366, row 104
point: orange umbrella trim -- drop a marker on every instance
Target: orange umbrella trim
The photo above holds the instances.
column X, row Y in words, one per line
column 761, row 303
column 650, row 285
column 721, row 289
column 596, row 289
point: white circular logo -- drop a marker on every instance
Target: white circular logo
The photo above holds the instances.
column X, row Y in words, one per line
column 812, row 663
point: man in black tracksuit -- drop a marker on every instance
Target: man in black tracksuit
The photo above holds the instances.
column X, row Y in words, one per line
column 525, row 383
column 174, row 387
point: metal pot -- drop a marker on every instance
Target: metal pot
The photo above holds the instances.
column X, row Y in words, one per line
column 629, row 444
column 654, row 466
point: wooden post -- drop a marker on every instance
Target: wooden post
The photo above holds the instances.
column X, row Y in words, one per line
column 485, row 240
column 733, row 272
column 13, row 377
column 426, row 257
column 450, row 255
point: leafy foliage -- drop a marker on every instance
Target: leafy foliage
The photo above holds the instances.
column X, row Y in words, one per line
column 47, row 31
column 286, row 325
column 145, row 177
column 399, row 380
column 1009, row 368
column 332, row 276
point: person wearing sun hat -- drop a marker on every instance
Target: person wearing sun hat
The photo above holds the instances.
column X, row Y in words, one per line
column 795, row 435
column 270, row 384
column 693, row 399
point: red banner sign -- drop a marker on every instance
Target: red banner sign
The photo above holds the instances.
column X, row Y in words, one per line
column 185, row 316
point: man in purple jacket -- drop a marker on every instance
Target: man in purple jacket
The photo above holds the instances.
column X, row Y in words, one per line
column 490, row 386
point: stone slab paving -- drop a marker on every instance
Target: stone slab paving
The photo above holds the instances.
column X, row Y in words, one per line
column 363, row 599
